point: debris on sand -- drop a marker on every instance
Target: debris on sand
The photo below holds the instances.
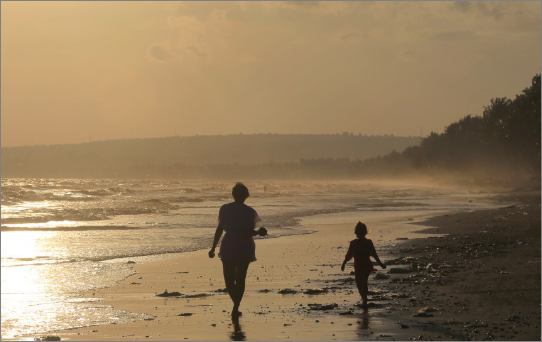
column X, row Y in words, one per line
column 265, row 291
column 403, row 326
column 185, row 314
column 428, row 309
column 344, row 281
column 400, row 295
column 129, row 262
column 346, row 313
column 322, row 306
column 375, row 292
column 402, row 261
column 169, row 294
column 47, row 338
column 315, row 291
column 396, row 270
column 221, row 290
column 287, row 291
column 476, row 324
column 424, row 312
column 369, row 305
column 197, row 295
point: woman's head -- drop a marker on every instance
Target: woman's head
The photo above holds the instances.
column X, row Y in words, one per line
column 361, row 229
column 240, row 192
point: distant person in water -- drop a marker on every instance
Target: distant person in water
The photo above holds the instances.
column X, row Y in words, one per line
column 237, row 249
column 361, row 249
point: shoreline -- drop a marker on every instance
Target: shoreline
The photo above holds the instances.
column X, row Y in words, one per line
column 273, row 316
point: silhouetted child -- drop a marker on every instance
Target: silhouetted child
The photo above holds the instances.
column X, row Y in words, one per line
column 361, row 249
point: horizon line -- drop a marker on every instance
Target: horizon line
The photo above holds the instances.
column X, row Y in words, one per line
column 223, row 135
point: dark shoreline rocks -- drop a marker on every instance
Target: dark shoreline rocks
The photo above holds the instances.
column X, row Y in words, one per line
column 481, row 281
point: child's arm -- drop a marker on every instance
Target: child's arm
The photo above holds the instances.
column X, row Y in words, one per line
column 344, row 264
column 348, row 256
column 378, row 261
column 374, row 255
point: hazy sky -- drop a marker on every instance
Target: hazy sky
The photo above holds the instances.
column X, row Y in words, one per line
column 110, row 70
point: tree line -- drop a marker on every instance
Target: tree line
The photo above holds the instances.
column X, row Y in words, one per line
column 502, row 145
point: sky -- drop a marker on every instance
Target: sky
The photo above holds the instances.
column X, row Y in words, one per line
column 73, row 72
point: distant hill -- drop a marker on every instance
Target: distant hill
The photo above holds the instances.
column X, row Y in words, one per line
column 110, row 158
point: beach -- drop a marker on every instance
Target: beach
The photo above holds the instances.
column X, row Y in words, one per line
column 476, row 277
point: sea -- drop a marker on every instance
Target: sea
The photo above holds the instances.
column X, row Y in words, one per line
column 63, row 237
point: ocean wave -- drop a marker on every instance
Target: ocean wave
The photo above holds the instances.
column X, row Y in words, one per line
column 29, row 193
column 185, row 199
column 107, row 192
column 280, row 205
column 126, row 255
column 27, row 259
column 23, row 220
column 393, row 205
column 38, row 260
column 61, row 229
column 98, row 211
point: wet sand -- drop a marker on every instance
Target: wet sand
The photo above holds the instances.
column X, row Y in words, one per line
column 482, row 281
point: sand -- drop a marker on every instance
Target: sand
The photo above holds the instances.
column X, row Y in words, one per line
column 482, row 281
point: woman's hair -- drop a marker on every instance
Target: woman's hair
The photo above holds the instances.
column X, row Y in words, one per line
column 361, row 229
column 240, row 192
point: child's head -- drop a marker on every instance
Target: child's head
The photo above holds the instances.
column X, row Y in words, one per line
column 361, row 229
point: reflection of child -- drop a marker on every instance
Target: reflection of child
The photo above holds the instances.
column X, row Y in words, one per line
column 361, row 249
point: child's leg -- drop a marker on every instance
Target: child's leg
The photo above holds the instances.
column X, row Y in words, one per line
column 361, row 282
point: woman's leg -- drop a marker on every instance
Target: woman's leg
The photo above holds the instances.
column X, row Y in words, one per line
column 234, row 277
column 361, row 282
column 229, row 278
column 240, row 277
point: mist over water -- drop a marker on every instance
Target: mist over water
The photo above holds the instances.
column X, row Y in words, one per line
column 62, row 237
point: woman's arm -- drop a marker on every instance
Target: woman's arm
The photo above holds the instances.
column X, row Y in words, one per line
column 261, row 232
column 218, row 234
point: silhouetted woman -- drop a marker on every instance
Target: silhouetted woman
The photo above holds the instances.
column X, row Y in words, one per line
column 237, row 249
